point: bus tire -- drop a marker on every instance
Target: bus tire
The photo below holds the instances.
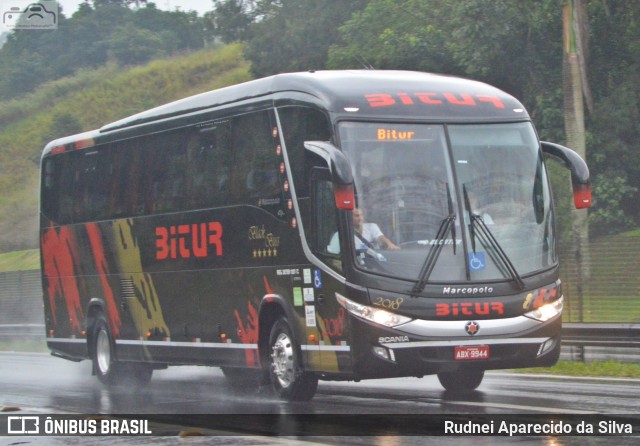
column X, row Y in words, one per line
column 105, row 366
column 109, row 371
column 288, row 379
column 461, row 381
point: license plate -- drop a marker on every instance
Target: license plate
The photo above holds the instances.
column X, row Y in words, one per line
column 471, row 352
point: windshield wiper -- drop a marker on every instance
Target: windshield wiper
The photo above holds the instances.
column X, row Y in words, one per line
column 453, row 216
column 472, row 228
column 486, row 237
column 448, row 223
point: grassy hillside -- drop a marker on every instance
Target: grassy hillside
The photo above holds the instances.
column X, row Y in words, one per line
column 86, row 101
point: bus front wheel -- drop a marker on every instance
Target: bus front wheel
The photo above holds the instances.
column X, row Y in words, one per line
column 461, row 381
column 285, row 366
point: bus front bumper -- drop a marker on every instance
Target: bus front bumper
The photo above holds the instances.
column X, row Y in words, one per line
column 426, row 347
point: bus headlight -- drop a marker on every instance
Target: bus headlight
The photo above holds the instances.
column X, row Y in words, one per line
column 548, row 311
column 375, row 315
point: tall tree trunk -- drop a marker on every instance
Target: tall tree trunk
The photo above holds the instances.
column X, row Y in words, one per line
column 576, row 92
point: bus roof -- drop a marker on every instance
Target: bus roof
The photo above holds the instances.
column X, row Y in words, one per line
column 377, row 94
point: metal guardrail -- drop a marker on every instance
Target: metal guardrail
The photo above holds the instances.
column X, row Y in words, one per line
column 22, row 332
column 601, row 335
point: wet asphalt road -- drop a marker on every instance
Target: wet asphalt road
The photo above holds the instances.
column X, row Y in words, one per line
column 39, row 383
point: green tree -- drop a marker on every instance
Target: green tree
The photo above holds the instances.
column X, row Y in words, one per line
column 390, row 34
column 294, row 35
column 614, row 157
column 231, row 19
column 613, row 189
column 178, row 30
column 100, row 3
column 131, row 45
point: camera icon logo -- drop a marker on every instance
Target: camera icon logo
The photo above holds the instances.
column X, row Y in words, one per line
column 21, row 15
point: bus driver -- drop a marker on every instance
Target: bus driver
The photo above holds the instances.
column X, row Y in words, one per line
column 367, row 235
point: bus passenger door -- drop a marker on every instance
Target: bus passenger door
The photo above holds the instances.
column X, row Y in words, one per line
column 324, row 235
column 325, row 241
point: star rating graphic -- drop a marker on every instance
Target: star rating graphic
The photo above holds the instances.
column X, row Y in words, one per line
column 267, row 252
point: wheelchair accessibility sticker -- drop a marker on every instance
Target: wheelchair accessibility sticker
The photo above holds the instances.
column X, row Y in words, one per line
column 477, row 261
column 317, row 279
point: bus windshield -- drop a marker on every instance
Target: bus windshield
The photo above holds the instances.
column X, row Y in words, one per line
column 461, row 202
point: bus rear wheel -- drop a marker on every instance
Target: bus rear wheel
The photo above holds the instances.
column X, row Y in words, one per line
column 104, row 364
column 108, row 370
column 461, row 381
column 285, row 366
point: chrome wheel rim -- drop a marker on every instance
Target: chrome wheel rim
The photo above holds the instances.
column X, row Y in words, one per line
column 282, row 360
column 103, row 352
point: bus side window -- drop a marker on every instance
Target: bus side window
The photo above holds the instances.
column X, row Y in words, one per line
column 255, row 177
column 61, row 194
column 165, row 157
column 64, row 188
column 209, row 163
column 50, row 184
column 300, row 124
column 98, row 184
column 87, row 189
column 126, row 181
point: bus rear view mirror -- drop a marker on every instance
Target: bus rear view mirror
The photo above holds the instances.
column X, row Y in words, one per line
column 336, row 160
column 581, row 195
column 345, row 197
column 580, row 179
column 340, row 172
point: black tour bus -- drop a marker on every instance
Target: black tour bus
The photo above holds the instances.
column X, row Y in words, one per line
column 219, row 230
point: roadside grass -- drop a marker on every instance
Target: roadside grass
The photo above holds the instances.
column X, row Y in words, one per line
column 631, row 233
column 26, row 260
column 609, row 307
column 607, row 369
column 24, row 346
